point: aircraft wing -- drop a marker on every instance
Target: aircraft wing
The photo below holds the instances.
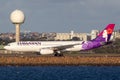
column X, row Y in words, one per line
column 62, row 47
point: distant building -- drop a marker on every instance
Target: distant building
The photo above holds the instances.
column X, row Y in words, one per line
column 62, row 36
column 69, row 36
column 57, row 36
column 7, row 36
column 49, row 36
column 94, row 34
column 116, row 34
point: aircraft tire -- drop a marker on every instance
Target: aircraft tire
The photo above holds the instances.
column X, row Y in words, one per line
column 58, row 55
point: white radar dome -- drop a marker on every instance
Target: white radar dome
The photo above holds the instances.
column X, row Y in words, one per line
column 17, row 17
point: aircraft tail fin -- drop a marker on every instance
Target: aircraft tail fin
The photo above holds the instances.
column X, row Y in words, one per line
column 105, row 34
column 103, row 38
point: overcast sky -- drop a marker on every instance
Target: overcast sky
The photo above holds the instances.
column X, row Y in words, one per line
column 61, row 15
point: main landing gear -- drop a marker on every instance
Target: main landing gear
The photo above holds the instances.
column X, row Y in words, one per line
column 58, row 54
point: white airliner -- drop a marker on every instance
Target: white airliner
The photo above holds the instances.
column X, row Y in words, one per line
column 57, row 47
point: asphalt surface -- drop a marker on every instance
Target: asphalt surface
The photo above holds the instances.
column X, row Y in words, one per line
column 64, row 54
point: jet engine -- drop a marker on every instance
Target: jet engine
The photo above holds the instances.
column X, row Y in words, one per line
column 46, row 51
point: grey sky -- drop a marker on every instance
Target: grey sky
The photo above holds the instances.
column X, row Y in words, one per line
column 61, row 15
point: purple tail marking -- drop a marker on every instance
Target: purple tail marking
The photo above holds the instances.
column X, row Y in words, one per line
column 100, row 40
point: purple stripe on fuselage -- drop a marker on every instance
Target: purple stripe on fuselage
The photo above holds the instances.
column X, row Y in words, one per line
column 95, row 43
column 91, row 44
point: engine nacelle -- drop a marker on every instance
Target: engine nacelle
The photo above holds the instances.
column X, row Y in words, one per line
column 46, row 51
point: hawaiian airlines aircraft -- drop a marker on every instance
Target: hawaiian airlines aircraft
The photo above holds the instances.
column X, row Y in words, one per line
column 57, row 47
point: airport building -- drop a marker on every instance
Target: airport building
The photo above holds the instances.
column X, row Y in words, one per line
column 72, row 35
column 57, row 36
column 94, row 34
column 116, row 34
column 83, row 36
